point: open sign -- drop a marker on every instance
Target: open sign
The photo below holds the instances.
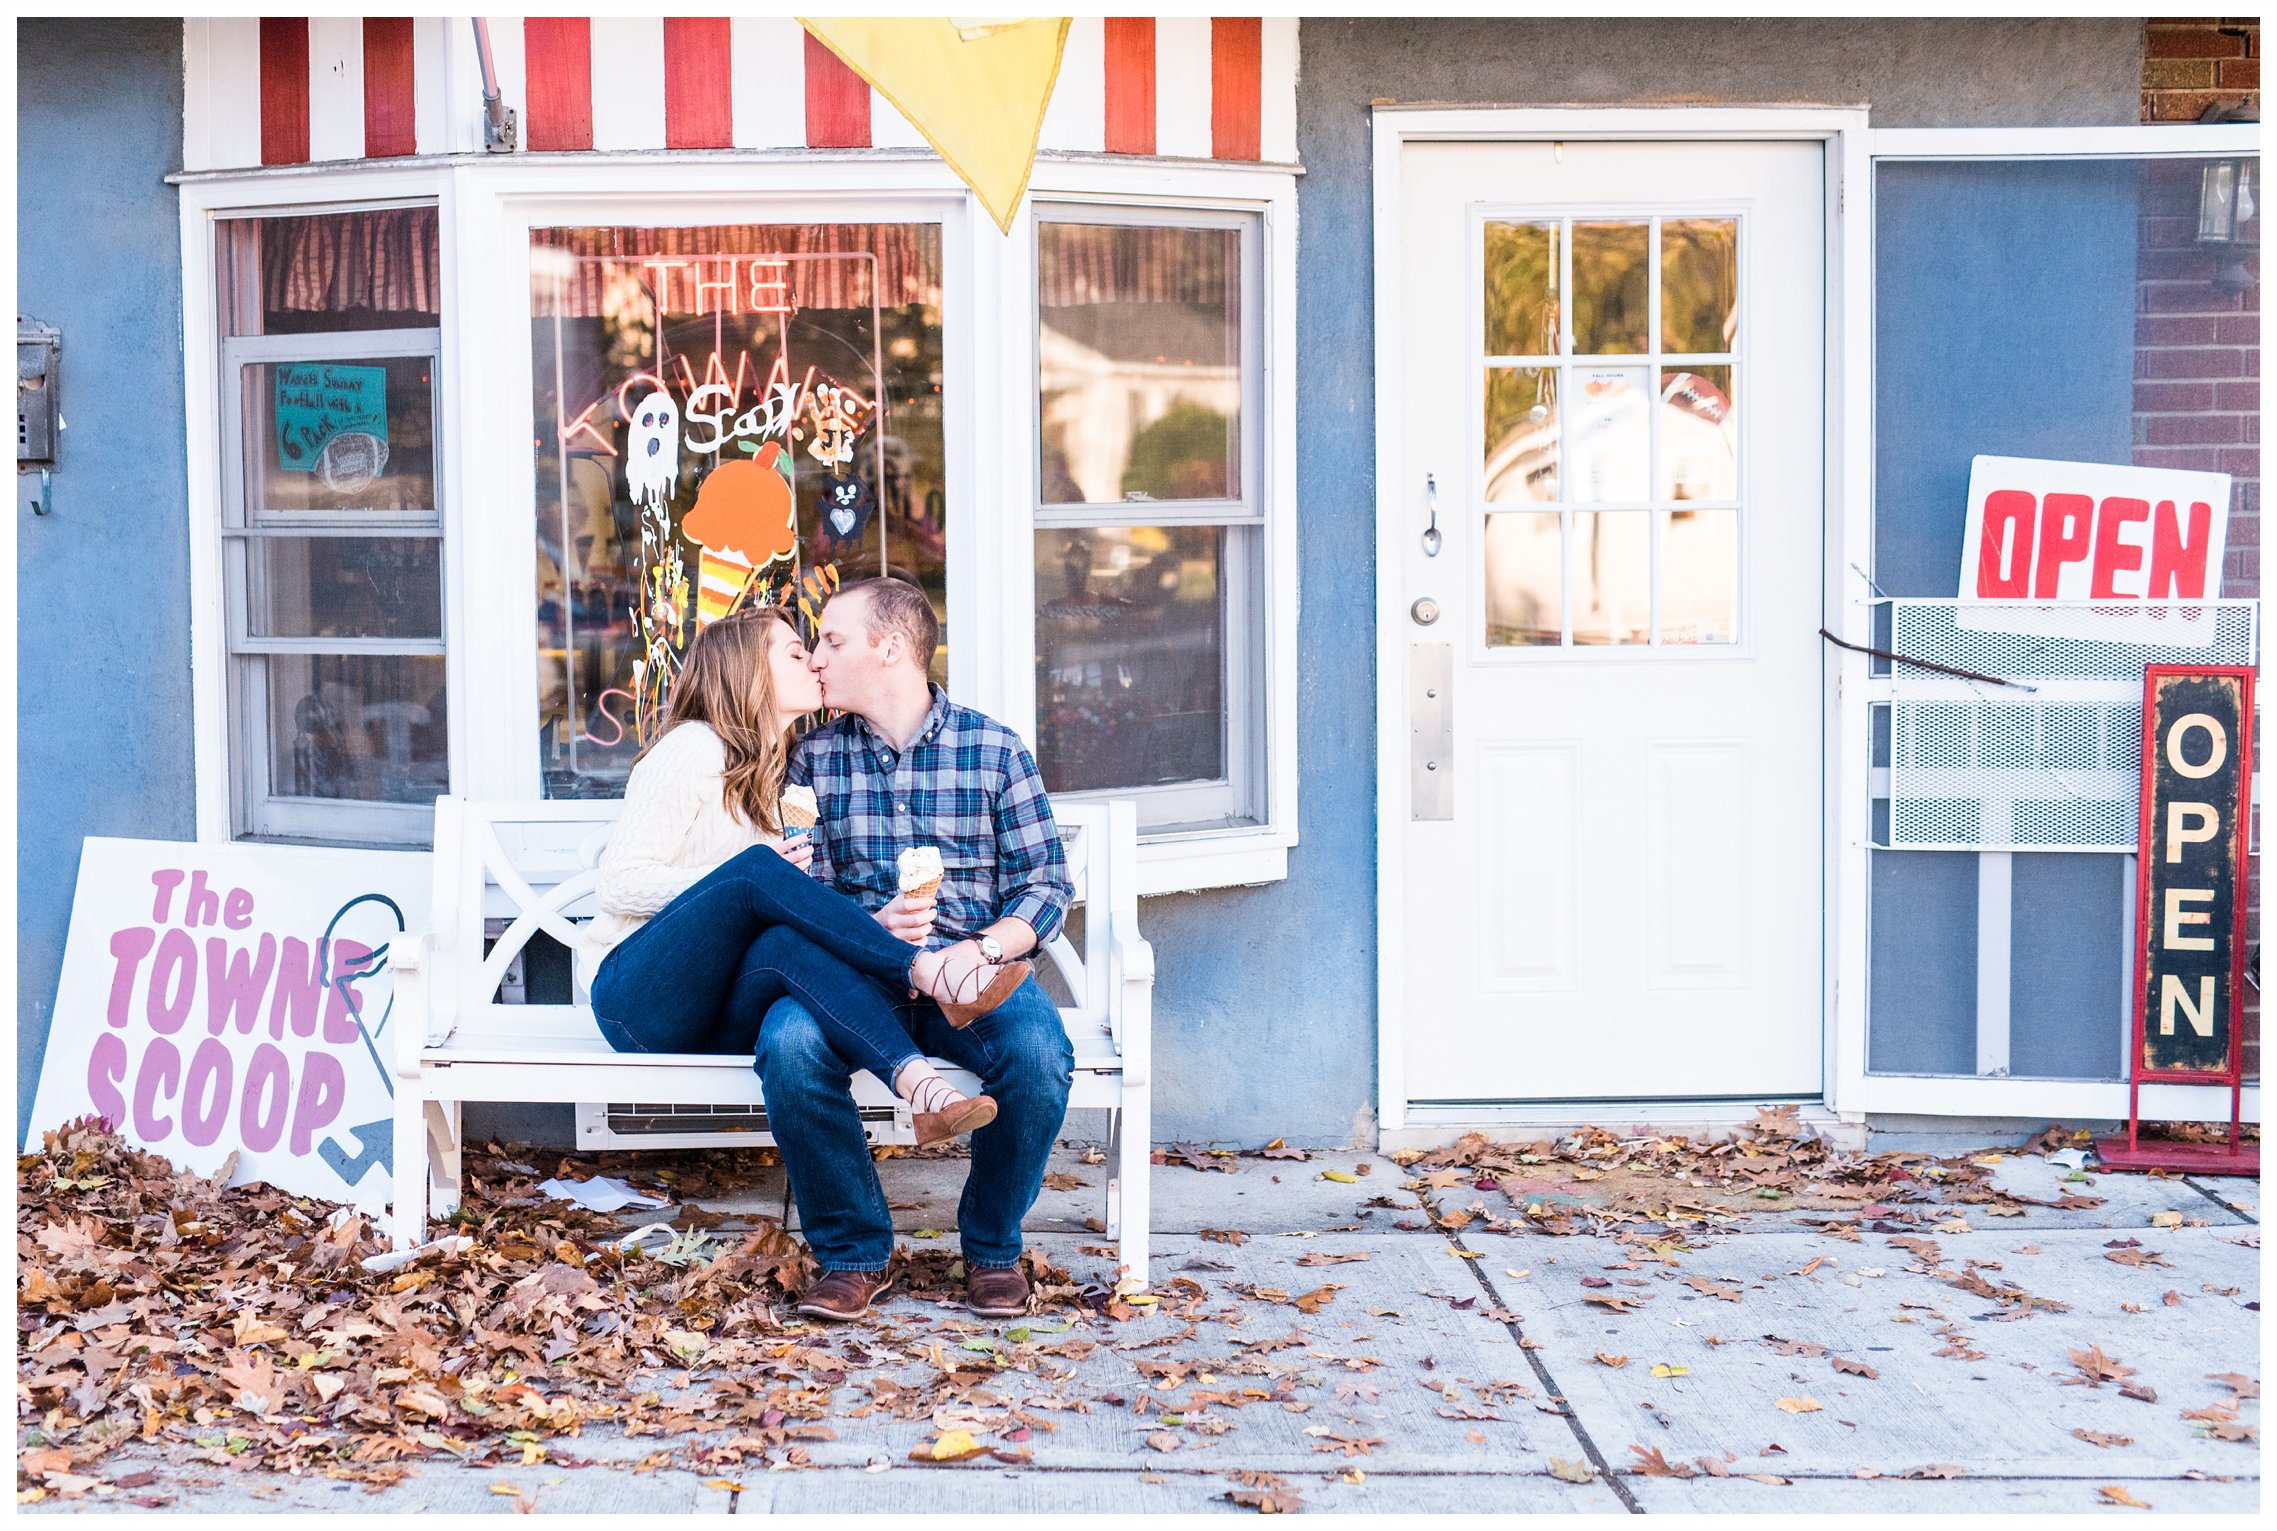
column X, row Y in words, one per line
column 2063, row 531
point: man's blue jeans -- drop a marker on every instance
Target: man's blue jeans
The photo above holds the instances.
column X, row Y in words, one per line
column 1024, row 1059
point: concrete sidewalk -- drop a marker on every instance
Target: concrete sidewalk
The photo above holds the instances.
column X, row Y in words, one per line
column 1780, row 1368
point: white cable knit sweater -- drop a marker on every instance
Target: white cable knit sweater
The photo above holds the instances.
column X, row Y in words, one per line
column 675, row 828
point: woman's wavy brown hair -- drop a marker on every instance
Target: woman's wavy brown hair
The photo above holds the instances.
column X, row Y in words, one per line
column 725, row 683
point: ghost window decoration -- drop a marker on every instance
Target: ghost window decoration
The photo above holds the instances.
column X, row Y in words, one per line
column 652, row 456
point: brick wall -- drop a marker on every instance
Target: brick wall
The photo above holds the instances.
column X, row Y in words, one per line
column 2197, row 350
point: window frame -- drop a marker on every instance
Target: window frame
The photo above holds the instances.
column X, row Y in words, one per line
column 255, row 811
column 1235, row 799
column 487, row 205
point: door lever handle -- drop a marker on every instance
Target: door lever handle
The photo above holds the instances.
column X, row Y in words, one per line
column 1431, row 537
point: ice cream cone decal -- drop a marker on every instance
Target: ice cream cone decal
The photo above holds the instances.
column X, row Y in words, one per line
column 745, row 520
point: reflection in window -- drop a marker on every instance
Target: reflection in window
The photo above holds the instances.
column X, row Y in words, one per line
column 1139, row 358
column 1525, row 580
column 1612, row 289
column 1624, row 452
column 1130, row 655
column 332, row 527
column 721, row 416
column 1149, row 623
column 1521, row 434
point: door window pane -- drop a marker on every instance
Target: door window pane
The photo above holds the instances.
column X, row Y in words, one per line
column 721, row 415
column 1525, row 580
column 1612, row 577
column 1139, row 360
column 1699, row 435
column 1612, row 289
column 342, row 587
column 1610, row 423
column 370, row 727
column 1522, row 289
column 1699, row 284
column 1131, row 655
column 1521, row 434
column 1699, row 576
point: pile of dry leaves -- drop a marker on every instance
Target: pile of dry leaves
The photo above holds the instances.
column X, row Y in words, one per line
column 242, row 1325
column 1597, row 1182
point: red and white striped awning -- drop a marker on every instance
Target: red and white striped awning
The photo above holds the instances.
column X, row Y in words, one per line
column 292, row 90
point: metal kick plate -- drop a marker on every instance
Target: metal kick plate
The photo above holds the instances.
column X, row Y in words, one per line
column 1431, row 731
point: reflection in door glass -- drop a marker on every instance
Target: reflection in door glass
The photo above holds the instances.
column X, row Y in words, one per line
column 1612, row 577
column 1521, row 434
column 1699, row 576
column 1612, row 289
column 1699, row 285
column 1521, row 289
column 1611, row 427
column 1699, row 435
column 1524, row 580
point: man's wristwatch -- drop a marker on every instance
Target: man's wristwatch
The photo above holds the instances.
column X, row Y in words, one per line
column 990, row 947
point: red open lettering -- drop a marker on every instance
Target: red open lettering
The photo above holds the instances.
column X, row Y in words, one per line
column 2067, row 523
column 2178, row 558
column 2005, row 561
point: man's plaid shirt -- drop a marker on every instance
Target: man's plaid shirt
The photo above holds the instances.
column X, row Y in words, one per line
column 966, row 784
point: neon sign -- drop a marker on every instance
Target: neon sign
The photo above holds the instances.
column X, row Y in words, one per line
column 738, row 285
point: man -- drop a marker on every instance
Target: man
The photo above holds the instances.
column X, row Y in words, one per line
column 906, row 766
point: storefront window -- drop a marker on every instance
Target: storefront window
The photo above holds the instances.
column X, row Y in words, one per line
column 1150, row 515
column 722, row 416
column 332, row 525
column 2098, row 311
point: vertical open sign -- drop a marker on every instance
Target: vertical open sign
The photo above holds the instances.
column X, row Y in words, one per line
column 2190, row 911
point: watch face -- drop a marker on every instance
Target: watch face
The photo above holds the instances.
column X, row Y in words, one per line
column 991, row 948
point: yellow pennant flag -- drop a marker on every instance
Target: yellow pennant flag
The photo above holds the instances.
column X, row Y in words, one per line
column 976, row 87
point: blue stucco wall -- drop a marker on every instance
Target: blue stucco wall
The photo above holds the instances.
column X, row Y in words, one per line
column 102, row 585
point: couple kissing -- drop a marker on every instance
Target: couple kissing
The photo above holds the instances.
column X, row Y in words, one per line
column 892, row 930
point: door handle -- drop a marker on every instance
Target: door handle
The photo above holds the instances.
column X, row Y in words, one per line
column 1431, row 538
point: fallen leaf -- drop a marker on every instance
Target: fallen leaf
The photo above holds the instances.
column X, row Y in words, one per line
column 2094, row 1438
column 1616, row 1362
column 2096, row 1368
column 1800, row 1405
column 1318, row 1298
column 1572, row 1472
column 2236, row 1382
column 2166, row 1220
column 1935, row 1470
column 1708, row 1287
column 1163, row 1440
column 1322, row 1257
column 1342, row 1177
column 1061, row 1180
column 2113, row 1494
column 1769, row 1478
column 1616, row 1301
column 2138, row 1258
column 1663, row 1369
column 1651, row 1464
column 1224, row 1236
column 1855, row 1368
column 949, row 1446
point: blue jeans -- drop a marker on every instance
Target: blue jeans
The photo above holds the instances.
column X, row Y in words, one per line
column 751, row 932
column 1024, row 1059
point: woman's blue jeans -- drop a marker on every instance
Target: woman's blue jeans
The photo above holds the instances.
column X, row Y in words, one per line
column 699, row 976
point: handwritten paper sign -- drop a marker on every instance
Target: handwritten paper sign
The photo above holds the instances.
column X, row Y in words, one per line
column 2065, row 531
column 317, row 401
column 221, row 999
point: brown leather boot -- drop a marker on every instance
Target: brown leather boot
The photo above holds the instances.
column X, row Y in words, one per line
column 841, row 1295
column 997, row 1294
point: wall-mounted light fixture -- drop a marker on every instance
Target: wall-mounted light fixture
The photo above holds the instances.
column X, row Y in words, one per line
column 2227, row 209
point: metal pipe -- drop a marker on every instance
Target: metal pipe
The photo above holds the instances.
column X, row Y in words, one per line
column 498, row 125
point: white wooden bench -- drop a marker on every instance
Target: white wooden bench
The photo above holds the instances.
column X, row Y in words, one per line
column 531, row 865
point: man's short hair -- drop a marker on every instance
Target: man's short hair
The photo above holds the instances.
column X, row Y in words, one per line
column 897, row 606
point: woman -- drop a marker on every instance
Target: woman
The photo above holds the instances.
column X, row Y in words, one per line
column 699, row 890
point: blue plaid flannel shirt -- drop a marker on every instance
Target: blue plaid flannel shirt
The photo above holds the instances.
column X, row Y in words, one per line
column 966, row 784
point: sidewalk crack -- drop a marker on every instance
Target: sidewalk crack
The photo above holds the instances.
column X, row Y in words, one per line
column 2217, row 1201
column 1542, row 1375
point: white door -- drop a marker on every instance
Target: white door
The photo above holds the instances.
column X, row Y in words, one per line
column 1612, row 386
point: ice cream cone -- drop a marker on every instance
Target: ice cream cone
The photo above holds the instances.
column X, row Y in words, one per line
column 920, row 868
column 799, row 811
column 720, row 580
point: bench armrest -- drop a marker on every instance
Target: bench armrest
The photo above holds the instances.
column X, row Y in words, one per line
column 416, row 963
column 1130, row 1002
